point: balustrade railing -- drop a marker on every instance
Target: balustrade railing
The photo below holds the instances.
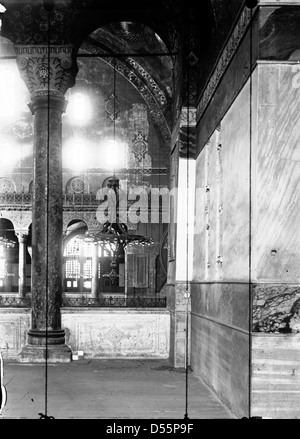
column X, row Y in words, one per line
column 69, row 200
column 19, row 199
column 84, row 301
column 16, row 201
column 80, row 199
column 116, row 302
column 11, row 198
column 14, row 302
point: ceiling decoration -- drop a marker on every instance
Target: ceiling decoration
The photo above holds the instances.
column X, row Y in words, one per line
column 192, row 33
column 145, row 88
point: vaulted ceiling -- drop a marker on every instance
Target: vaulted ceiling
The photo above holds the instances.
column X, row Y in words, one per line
column 171, row 44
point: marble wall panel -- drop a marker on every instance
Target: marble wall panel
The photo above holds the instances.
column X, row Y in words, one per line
column 200, row 220
column 211, row 206
column 279, row 30
column 276, row 308
column 236, row 155
column 223, row 210
column 275, row 376
column 220, row 356
column 118, row 333
column 224, row 303
column 220, row 340
column 14, row 325
column 277, row 176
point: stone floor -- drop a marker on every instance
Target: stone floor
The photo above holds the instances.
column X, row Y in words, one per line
column 107, row 389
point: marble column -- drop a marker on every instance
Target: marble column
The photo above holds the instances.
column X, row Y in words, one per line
column 95, row 270
column 47, row 72
column 22, row 237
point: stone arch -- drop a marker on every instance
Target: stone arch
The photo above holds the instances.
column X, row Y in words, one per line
column 91, row 22
column 6, row 227
column 137, row 76
column 105, row 181
column 20, row 220
column 144, row 79
column 75, row 227
column 88, row 217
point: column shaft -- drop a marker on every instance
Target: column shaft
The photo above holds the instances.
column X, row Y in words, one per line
column 47, row 215
column 95, row 271
column 22, row 265
column 46, row 339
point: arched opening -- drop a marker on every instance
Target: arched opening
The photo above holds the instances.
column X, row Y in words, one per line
column 77, row 259
column 88, row 266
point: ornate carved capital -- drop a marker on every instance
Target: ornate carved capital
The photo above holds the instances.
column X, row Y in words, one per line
column 46, row 69
column 22, row 236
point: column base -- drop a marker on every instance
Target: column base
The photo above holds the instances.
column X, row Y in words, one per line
column 45, row 346
column 41, row 354
column 177, row 304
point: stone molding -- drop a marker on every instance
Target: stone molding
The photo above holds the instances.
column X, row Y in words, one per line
column 224, row 60
column 46, row 69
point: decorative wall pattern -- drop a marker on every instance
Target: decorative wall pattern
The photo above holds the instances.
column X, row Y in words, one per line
column 75, row 185
column 13, row 329
column 139, row 157
column 21, row 220
column 118, row 334
column 88, row 217
column 148, row 90
column 6, row 185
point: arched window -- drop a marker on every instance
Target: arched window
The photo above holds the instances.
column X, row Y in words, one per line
column 105, row 181
column 75, row 186
column 78, row 265
column 78, row 268
column 6, row 185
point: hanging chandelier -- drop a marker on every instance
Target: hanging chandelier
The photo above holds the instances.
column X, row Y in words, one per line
column 115, row 235
column 7, row 243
